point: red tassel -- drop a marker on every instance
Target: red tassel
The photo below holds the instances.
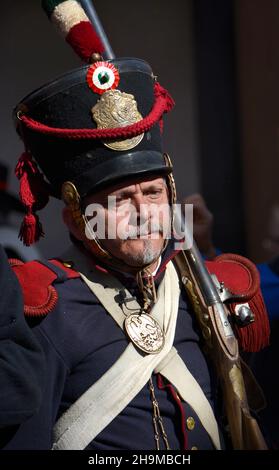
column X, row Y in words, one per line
column 34, row 195
column 31, row 229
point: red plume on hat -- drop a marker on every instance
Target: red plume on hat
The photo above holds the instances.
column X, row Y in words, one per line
column 74, row 25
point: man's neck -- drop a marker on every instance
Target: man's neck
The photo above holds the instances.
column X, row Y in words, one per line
column 155, row 266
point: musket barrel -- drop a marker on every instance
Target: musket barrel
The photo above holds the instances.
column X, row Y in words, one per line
column 93, row 17
column 195, row 260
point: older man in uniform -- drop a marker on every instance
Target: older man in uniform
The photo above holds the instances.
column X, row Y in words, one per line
column 125, row 365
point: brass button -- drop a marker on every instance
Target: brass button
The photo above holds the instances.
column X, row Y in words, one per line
column 68, row 264
column 194, row 448
column 190, row 422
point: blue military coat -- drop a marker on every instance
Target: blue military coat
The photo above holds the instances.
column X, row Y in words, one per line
column 81, row 342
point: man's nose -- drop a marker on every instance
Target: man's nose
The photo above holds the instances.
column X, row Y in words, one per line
column 140, row 210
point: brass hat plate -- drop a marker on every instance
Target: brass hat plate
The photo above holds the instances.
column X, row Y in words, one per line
column 117, row 109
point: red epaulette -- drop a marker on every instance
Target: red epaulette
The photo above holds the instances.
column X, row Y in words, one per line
column 242, row 278
column 36, row 280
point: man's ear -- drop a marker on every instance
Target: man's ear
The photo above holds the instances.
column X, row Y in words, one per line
column 69, row 221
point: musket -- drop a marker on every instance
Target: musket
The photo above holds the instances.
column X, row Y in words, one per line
column 221, row 344
column 213, row 317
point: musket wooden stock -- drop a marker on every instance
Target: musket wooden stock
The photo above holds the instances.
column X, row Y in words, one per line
column 222, row 348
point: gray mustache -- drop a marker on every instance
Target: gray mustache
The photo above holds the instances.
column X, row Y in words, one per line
column 141, row 231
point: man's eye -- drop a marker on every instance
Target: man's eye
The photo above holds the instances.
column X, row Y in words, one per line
column 154, row 194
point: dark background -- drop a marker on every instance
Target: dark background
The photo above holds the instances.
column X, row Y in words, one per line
column 219, row 60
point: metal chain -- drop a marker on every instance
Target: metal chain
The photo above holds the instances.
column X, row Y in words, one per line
column 147, row 287
column 157, row 419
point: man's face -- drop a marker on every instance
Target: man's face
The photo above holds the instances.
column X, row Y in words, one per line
column 136, row 220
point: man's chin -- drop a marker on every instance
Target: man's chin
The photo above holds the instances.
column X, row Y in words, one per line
column 136, row 253
column 141, row 252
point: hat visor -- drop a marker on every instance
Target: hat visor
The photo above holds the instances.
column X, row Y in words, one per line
column 122, row 167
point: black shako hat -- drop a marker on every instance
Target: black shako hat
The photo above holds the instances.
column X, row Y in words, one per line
column 67, row 104
column 92, row 127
